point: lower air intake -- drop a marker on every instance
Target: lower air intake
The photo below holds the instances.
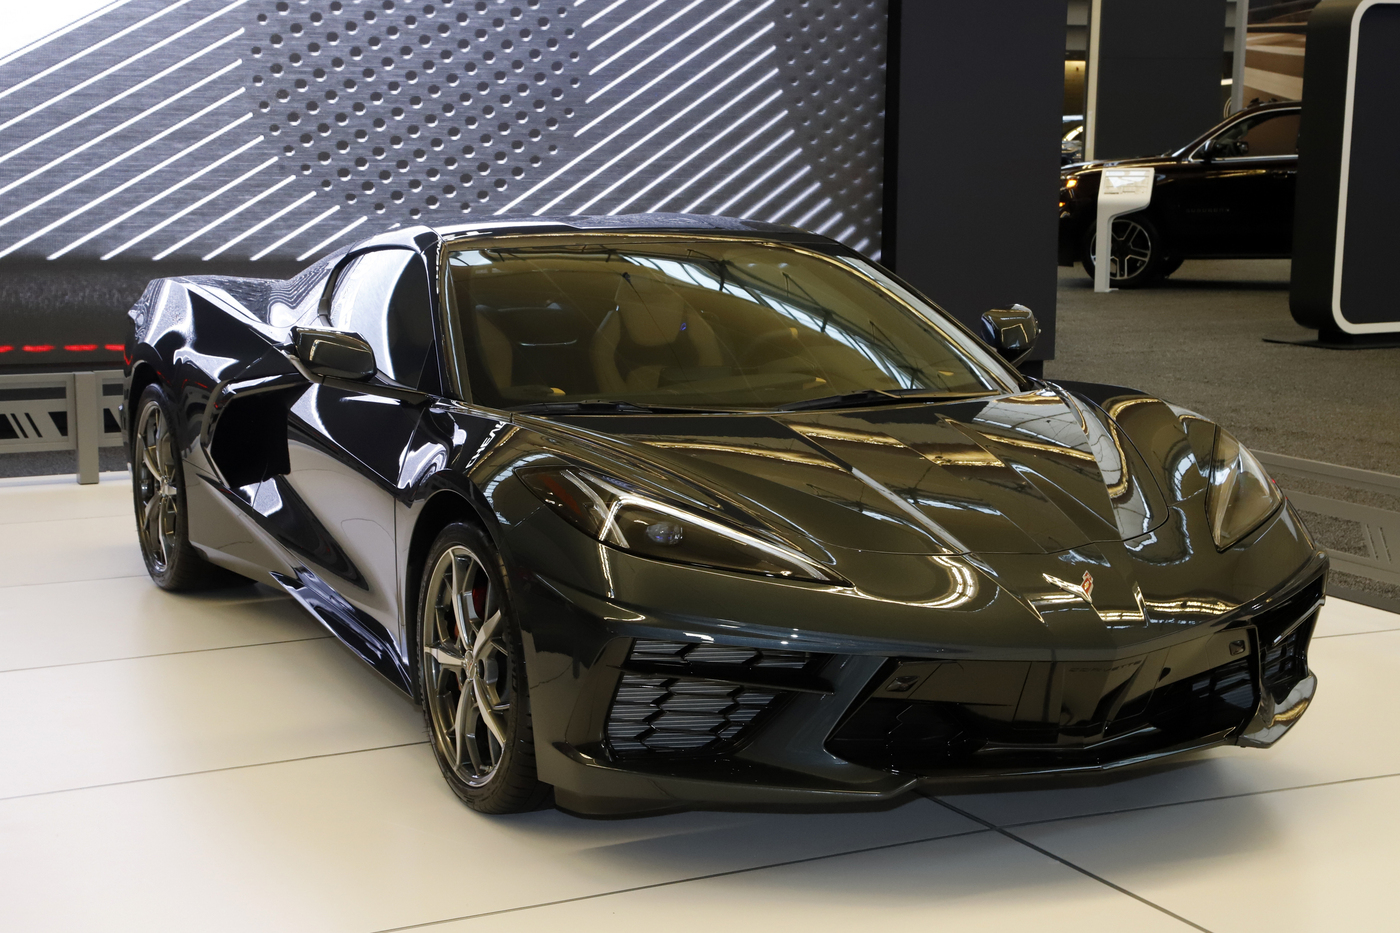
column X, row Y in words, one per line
column 683, row 698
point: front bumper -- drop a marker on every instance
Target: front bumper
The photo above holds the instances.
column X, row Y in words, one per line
column 835, row 728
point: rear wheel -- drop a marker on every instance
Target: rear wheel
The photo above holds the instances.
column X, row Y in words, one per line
column 158, row 491
column 1137, row 257
column 472, row 676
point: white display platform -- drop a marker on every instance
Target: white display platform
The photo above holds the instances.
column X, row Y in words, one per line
column 211, row 763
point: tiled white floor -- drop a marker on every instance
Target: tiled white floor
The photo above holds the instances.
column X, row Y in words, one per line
column 216, row 762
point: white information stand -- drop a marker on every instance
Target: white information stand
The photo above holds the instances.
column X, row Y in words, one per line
column 1121, row 191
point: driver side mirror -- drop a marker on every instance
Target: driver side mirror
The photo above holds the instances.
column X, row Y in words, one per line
column 334, row 353
column 1012, row 332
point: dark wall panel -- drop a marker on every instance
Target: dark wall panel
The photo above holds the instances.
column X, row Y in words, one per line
column 1346, row 174
column 1159, row 74
column 970, row 217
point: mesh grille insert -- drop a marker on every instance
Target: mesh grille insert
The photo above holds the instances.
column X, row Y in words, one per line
column 666, row 714
column 704, row 711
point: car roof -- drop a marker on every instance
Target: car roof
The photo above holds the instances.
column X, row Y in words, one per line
column 628, row 223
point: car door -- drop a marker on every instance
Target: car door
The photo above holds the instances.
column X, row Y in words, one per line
column 346, row 441
column 1240, row 201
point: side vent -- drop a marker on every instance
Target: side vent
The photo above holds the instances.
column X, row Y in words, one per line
column 683, row 698
column 250, row 440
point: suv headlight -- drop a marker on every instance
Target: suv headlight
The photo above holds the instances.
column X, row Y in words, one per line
column 622, row 516
column 1241, row 493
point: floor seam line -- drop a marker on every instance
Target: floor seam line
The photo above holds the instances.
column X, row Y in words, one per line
column 162, row 654
column 48, row 521
column 1181, row 803
column 120, row 576
column 255, row 764
column 1068, row 864
column 1379, row 631
column 675, row 881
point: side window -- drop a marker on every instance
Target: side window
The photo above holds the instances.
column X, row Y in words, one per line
column 1264, row 135
column 383, row 296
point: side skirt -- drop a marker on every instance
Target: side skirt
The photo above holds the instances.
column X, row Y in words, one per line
column 360, row 633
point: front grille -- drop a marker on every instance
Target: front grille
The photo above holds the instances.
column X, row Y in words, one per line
column 929, row 737
column 681, row 698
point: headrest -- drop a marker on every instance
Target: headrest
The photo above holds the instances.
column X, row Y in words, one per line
column 652, row 311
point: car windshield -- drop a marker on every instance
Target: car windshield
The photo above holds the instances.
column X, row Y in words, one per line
column 698, row 323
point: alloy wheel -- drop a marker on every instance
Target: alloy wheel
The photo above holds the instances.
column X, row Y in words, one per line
column 466, row 666
column 1131, row 250
column 159, row 507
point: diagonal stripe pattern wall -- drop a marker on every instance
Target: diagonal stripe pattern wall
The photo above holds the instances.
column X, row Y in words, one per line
column 280, row 129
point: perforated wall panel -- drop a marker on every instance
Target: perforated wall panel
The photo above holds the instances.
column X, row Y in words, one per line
column 251, row 129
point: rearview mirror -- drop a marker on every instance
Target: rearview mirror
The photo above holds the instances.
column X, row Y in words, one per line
column 1012, row 332
column 334, row 353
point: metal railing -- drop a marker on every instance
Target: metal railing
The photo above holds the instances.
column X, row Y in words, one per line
column 1379, row 528
column 62, row 411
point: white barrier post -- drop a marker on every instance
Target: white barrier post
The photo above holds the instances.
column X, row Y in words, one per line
column 88, row 425
column 1121, row 191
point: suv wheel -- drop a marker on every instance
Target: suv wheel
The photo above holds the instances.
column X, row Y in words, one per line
column 1137, row 257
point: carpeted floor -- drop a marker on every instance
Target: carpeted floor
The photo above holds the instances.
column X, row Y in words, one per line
column 1197, row 340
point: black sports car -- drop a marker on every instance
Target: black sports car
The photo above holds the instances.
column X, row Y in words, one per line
column 667, row 511
column 1227, row 194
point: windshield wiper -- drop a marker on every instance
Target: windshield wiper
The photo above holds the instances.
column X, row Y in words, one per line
column 598, row 406
column 872, row 397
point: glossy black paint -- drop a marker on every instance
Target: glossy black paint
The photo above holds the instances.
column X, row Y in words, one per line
column 1206, row 204
column 954, row 530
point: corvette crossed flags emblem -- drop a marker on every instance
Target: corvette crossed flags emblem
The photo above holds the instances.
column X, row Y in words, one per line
column 1085, row 588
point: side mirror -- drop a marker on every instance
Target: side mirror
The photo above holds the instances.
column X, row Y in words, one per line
column 1211, row 150
column 334, row 353
column 1012, row 332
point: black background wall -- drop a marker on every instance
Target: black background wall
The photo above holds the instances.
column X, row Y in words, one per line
column 972, row 148
column 1159, row 74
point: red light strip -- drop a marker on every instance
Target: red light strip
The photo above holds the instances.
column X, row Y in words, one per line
column 70, row 347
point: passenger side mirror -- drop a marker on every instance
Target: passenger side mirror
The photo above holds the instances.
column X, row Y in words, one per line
column 334, row 353
column 1012, row 332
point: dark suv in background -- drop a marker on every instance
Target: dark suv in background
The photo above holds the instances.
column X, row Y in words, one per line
column 1228, row 194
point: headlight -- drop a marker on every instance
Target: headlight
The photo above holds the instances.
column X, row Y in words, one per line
column 622, row 516
column 1241, row 493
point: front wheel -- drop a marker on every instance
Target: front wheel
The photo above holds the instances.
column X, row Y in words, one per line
column 472, row 677
column 1137, row 257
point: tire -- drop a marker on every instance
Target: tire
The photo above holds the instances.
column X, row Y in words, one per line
column 158, row 495
column 1139, row 253
column 463, row 593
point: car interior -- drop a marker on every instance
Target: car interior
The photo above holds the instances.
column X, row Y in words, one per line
column 663, row 323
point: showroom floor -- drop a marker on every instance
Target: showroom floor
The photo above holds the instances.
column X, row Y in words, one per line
column 218, row 763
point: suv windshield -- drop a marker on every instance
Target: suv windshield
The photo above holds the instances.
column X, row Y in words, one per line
column 695, row 323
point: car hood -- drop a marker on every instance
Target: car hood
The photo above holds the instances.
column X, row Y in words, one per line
column 1033, row 473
